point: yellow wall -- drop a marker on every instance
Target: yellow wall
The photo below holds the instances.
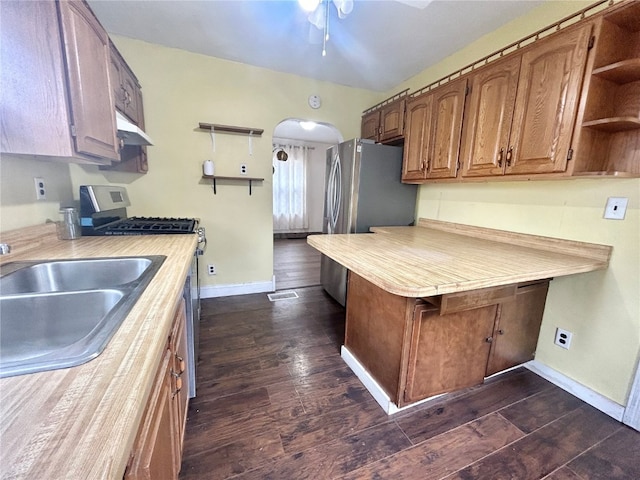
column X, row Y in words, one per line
column 602, row 309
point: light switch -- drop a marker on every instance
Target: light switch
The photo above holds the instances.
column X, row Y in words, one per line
column 616, row 208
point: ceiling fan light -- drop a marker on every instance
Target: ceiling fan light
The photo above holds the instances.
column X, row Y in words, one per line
column 308, row 5
column 344, row 7
column 316, row 18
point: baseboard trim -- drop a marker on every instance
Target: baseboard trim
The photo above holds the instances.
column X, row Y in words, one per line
column 596, row 400
column 372, row 386
column 213, row 291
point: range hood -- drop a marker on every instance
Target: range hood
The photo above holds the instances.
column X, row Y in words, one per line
column 130, row 133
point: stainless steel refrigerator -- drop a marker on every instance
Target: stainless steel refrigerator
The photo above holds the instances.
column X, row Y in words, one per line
column 363, row 189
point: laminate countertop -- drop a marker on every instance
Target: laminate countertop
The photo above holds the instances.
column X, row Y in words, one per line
column 81, row 422
column 435, row 258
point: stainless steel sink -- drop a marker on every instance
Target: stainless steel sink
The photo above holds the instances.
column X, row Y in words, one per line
column 60, row 314
column 66, row 275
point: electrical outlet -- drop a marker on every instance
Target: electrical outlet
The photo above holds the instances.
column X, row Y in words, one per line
column 563, row 338
column 243, row 169
column 616, row 208
column 211, row 269
column 41, row 192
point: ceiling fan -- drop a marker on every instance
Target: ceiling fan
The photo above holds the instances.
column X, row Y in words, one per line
column 318, row 11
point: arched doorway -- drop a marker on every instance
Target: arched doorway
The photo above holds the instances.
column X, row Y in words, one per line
column 299, row 159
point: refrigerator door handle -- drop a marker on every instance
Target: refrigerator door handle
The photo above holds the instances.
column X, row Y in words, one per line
column 338, row 192
column 329, row 199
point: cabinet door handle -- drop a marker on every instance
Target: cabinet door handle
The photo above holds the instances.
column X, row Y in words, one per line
column 500, row 155
column 181, row 362
column 178, row 386
column 488, row 339
column 509, row 156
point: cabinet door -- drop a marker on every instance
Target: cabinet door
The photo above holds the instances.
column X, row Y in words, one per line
column 517, row 328
column 155, row 450
column 86, row 46
column 131, row 88
column 370, row 125
column 417, row 135
column 444, row 150
column 115, row 78
column 180, row 376
column 447, row 352
column 488, row 118
column 546, row 103
column 33, row 108
column 392, row 120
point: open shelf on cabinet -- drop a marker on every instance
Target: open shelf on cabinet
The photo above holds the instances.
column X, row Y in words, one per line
column 625, row 71
column 614, row 124
column 213, row 178
column 609, row 133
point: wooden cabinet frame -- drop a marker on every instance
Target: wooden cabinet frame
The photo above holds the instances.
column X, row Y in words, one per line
column 417, row 348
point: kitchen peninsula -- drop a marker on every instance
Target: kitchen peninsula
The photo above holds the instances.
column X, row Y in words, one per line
column 439, row 306
column 81, row 422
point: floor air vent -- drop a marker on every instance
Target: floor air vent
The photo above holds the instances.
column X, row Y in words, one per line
column 282, row 295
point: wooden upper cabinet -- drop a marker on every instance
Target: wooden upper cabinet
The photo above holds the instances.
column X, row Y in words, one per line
column 370, row 125
column 448, row 108
column 551, row 75
column 86, row 45
column 392, row 120
column 126, row 89
column 128, row 101
column 488, row 118
column 56, row 96
column 416, row 139
column 385, row 123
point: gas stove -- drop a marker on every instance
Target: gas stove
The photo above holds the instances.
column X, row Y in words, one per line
column 103, row 211
column 151, row 226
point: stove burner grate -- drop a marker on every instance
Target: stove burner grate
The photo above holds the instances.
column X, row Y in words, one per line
column 152, row 225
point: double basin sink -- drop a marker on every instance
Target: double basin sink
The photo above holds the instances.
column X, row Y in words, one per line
column 62, row 313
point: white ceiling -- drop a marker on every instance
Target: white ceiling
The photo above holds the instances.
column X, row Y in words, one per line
column 377, row 46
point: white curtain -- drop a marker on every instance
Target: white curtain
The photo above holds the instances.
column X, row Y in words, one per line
column 290, row 190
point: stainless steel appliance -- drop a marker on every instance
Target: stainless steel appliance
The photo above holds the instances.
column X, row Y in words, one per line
column 103, row 211
column 363, row 189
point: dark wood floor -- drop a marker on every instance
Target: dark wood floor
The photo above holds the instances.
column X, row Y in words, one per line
column 275, row 401
column 295, row 264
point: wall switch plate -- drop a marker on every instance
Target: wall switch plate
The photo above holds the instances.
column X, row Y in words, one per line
column 41, row 192
column 243, row 169
column 616, row 208
column 563, row 338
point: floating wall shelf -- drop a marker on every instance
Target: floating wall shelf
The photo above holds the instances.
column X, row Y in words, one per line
column 218, row 177
column 231, row 129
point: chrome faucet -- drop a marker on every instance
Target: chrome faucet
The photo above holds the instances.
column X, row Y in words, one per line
column 5, row 248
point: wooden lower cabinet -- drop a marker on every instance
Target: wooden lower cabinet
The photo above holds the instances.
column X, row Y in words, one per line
column 517, row 327
column 157, row 451
column 417, row 348
column 448, row 352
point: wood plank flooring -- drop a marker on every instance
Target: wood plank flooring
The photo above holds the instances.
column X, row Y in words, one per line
column 276, row 401
column 295, row 264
